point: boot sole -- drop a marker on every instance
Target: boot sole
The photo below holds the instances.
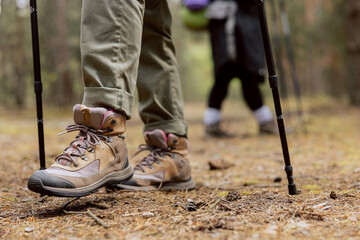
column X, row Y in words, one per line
column 35, row 184
column 189, row 185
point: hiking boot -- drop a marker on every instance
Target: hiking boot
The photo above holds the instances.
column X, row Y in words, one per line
column 96, row 158
column 215, row 131
column 166, row 167
column 268, row 128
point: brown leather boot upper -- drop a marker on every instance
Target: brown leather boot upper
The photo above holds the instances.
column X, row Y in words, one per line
column 97, row 151
column 168, row 160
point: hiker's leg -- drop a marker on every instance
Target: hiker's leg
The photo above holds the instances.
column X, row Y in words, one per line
column 110, row 49
column 167, row 165
column 160, row 94
column 218, row 93
column 253, row 97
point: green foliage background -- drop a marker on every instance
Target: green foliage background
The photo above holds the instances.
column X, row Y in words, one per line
column 320, row 35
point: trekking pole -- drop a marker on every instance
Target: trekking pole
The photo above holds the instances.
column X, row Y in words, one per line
column 37, row 82
column 273, row 80
column 291, row 58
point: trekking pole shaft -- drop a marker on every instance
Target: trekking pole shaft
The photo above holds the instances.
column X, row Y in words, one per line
column 37, row 82
column 273, row 80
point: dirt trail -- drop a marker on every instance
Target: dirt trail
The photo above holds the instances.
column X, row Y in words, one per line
column 246, row 201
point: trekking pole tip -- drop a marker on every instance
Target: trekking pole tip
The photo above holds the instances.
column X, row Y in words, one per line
column 292, row 189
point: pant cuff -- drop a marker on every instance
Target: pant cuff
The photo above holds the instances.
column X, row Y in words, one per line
column 116, row 99
column 175, row 126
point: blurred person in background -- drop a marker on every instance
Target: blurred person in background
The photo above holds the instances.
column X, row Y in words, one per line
column 237, row 52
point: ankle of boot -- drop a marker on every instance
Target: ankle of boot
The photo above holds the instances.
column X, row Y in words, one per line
column 112, row 122
column 115, row 125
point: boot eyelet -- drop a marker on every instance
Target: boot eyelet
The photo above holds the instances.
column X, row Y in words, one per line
column 113, row 122
column 83, row 157
column 90, row 149
column 151, row 167
column 173, row 155
column 159, row 162
column 109, row 139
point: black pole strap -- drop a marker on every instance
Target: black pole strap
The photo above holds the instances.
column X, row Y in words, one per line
column 37, row 83
column 273, row 80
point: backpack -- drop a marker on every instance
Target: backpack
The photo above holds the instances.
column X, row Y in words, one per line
column 196, row 5
column 193, row 14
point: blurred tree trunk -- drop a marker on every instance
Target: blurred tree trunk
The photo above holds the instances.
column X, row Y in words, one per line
column 353, row 49
column 62, row 88
column 63, row 53
column 20, row 65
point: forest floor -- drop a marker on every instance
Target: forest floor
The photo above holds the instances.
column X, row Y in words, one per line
column 246, row 201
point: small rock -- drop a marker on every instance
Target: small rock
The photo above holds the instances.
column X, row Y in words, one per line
column 107, row 236
column 218, row 164
column 148, row 214
column 321, row 206
column 29, row 229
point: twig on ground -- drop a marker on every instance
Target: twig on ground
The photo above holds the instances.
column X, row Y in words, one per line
column 214, row 204
column 100, row 205
column 89, row 213
column 217, row 198
column 72, row 200
column 227, row 207
column 102, row 223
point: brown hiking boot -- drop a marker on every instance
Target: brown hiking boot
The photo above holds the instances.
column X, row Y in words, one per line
column 215, row 131
column 96, row 158
column 268, row 128
column 166, row 167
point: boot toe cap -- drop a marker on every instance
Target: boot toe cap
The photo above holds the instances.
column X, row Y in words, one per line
column 41, row 179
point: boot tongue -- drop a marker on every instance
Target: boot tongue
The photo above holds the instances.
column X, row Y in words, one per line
column 156, row 138
column 91, row 117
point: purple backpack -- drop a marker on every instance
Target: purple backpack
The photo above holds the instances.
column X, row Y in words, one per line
column 196, row 5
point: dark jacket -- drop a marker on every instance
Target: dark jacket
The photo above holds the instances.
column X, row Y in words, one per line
column 249, row 53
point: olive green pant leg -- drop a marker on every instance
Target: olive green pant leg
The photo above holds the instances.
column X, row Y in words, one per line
column 159, row 87
column 110, row 48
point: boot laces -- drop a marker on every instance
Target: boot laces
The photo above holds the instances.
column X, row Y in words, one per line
column 85, row 140
column 153, row 157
